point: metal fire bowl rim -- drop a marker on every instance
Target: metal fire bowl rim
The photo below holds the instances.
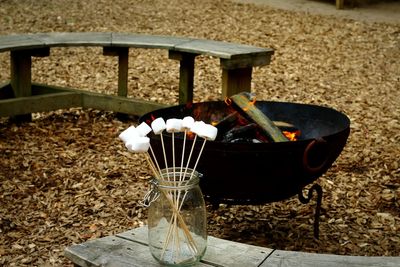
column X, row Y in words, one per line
column 254, row 147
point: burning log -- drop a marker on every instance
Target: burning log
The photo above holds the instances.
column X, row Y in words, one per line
column 227, row 123
column 244, row 103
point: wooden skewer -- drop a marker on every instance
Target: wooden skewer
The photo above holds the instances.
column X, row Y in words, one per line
column 155, row 160
column 183, row 155
column 173, row 156
column 198, row 158
column 190, row 155
column 165, row 156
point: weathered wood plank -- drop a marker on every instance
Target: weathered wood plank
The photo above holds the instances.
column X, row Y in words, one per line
column 119, row 104
column 301, row 259
column 147, row 41
column 130, row 249
column 42, row 89
column 220, row 49
column 219, row 252
column 39, row 103
column 19, row 42
column 247, row 61
column 66, row 39
column 112, row 251
column 102, row 101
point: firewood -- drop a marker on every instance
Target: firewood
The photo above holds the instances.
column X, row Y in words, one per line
column 247, row 131
column 243, row 103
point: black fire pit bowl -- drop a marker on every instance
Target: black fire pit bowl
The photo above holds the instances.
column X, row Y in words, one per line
column 257, row 173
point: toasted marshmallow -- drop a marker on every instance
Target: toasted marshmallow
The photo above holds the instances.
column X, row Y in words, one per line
column 174, row 125
column 128, row 133
column 187, row 123
column 158, row 125
column 143, row 129
column 208, row 132
column 139, row 144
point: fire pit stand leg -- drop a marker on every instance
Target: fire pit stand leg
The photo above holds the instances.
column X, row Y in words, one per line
column 306, row 200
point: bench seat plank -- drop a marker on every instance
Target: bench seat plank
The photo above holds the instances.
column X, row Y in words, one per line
column 130, row 249
column 147, row 41
column 219, row 252
column 221, row 49
column 19, row 42
column 303, row 259
column 110, row 251
column 66, row 39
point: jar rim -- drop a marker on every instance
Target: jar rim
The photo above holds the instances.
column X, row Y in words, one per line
column 183, row 178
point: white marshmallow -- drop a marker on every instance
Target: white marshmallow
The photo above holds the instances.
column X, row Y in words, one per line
column 139, row 144
column 129, row 133
column 158, row 125
column 197, row 126
column 143, row 129
column 208, row 132
column 187, row 123
column 174, row 125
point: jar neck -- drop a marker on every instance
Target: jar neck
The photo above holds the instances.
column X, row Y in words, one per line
column 177, row 179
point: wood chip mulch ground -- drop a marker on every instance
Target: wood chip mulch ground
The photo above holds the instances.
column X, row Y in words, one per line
column 66, row 178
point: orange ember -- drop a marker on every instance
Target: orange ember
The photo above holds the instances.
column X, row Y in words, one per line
column 292, row 136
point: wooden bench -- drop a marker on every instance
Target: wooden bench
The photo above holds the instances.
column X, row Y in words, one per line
column 130, row 249
column 22, row 96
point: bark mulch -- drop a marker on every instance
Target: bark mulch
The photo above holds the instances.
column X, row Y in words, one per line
column 66, row 178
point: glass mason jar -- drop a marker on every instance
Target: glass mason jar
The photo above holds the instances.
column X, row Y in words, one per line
column 177, row 218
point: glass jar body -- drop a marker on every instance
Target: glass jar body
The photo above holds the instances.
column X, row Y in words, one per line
column 177, row 219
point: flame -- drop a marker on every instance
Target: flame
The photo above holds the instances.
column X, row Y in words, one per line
column 292, row 136
column 253, row 100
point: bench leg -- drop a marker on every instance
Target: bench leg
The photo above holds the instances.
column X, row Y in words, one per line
column 186, row 80
column 186, row 75
column 235, row 81
column 21, row 83
column 123, row 55
column 339, row 4
column 21, row 74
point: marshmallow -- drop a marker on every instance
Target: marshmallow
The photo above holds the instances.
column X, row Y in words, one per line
column 143, row 129
column 139, row 144
column 208, row 132
column 174, row 125
column 158, row 125
column 197, row 126
column 129, row 133
column 187, row 123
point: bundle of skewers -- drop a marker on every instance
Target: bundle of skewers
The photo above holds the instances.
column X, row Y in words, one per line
column 136, row 141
